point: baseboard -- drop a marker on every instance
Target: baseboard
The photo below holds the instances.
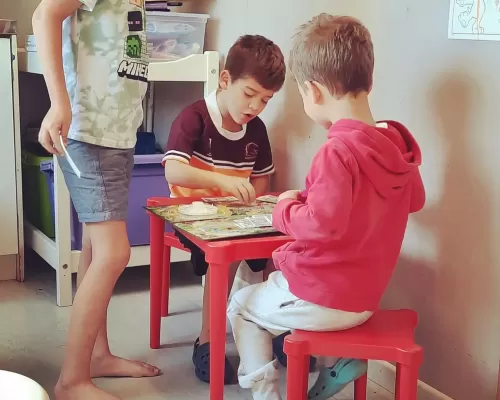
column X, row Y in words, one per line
column 384, row 375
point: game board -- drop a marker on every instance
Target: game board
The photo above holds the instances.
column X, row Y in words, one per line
column 233, row 219
column 224, row 228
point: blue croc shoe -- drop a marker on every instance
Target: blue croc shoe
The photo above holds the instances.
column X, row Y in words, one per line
column 334, row 379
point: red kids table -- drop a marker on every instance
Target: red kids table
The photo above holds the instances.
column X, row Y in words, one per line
column 219, row 255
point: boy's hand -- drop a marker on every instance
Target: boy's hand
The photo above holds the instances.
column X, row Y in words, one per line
column 55, row 124
column 289, row 194
column 238, row 187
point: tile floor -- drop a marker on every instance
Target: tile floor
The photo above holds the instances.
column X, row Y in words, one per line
column 33, row 329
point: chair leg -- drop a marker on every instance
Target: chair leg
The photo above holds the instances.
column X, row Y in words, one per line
column 297, row 374
column 157, row 228
column 360, row 387
column 165, row 281
column 406, row 382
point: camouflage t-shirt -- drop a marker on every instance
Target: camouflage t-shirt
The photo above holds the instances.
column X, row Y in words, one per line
column 106, row 69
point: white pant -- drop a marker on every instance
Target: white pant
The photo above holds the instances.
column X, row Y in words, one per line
column 267, row 309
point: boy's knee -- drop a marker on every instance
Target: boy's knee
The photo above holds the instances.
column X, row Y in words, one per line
column 110, row 245
column 114, row 258
column 234, row 307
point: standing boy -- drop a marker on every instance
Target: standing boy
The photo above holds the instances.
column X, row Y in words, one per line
column 219, row 147
column 348, row 224
column 95, row 65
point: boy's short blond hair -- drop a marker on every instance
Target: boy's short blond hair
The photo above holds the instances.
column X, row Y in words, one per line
column 336, row 52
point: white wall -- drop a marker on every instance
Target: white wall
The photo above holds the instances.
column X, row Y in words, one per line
column 445, row 91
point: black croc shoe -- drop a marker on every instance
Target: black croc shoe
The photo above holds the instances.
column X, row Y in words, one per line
column 201, row 361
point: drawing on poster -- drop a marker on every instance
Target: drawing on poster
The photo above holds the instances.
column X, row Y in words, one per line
column 474, row 20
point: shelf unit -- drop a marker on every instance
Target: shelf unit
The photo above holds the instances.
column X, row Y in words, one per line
column 58, row 253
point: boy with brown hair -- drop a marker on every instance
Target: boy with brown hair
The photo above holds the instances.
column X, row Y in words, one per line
column 219, row 147
column 348, row 223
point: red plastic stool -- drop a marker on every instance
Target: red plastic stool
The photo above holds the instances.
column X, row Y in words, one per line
column 169, row 241
column 387, row 336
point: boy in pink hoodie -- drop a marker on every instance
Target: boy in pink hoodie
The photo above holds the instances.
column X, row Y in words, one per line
column 348, row 223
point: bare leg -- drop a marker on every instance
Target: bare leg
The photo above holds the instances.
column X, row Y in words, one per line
column 110, row 252
column 103, row 362
column 205, row 324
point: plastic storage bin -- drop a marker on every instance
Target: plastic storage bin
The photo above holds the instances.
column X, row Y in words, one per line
column 47, row 168
column 148, row 180
column 172, row 36
column 36, row 194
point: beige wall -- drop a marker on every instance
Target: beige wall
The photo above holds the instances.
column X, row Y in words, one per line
column 445, row 91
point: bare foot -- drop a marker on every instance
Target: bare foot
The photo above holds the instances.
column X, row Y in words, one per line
column 84, row 391
column 112, row 366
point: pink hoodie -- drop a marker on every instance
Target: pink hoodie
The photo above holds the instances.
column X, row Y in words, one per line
column 350, row 221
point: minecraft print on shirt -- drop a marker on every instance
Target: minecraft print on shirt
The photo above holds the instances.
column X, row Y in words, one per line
column 135, row 57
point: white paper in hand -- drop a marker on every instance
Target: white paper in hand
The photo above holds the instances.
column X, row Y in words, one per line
column 70, row 160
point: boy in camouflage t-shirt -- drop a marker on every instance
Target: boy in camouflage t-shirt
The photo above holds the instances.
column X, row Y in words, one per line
column 95, row 65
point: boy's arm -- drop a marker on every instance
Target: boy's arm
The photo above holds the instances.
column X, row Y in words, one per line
column 325, row 213
column 47, row 25
column 417, row 194
column 260, row 184
column 181, row 174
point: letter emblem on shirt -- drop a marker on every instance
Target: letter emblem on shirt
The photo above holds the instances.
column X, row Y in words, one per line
column 251, row 151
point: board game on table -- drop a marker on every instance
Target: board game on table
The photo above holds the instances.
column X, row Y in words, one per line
column 229, row 219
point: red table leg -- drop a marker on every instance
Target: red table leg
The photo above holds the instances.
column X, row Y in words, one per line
column 165, row 285
column 156, row 229
column 218, row 305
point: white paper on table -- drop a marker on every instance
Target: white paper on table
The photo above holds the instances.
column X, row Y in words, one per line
column 70, row 160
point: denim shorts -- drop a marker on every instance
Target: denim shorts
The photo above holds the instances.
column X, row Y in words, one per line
column 101, row 194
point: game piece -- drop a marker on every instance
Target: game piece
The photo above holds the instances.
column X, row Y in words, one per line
column 268, row 199
column 198, row 208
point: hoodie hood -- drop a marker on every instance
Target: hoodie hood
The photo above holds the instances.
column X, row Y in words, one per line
column 387, row 154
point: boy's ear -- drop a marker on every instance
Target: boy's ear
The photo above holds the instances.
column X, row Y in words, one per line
column 313, row 90
column 224, row 79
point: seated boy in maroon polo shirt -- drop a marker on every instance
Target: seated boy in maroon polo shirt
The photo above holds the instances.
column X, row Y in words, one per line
column 219, row 147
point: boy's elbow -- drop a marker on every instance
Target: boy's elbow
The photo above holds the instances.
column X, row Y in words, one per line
column 36, row 18
column 47, row 13
column 417, row 205
column 173, row 171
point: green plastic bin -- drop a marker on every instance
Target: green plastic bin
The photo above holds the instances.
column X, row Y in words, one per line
column 36, row 194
